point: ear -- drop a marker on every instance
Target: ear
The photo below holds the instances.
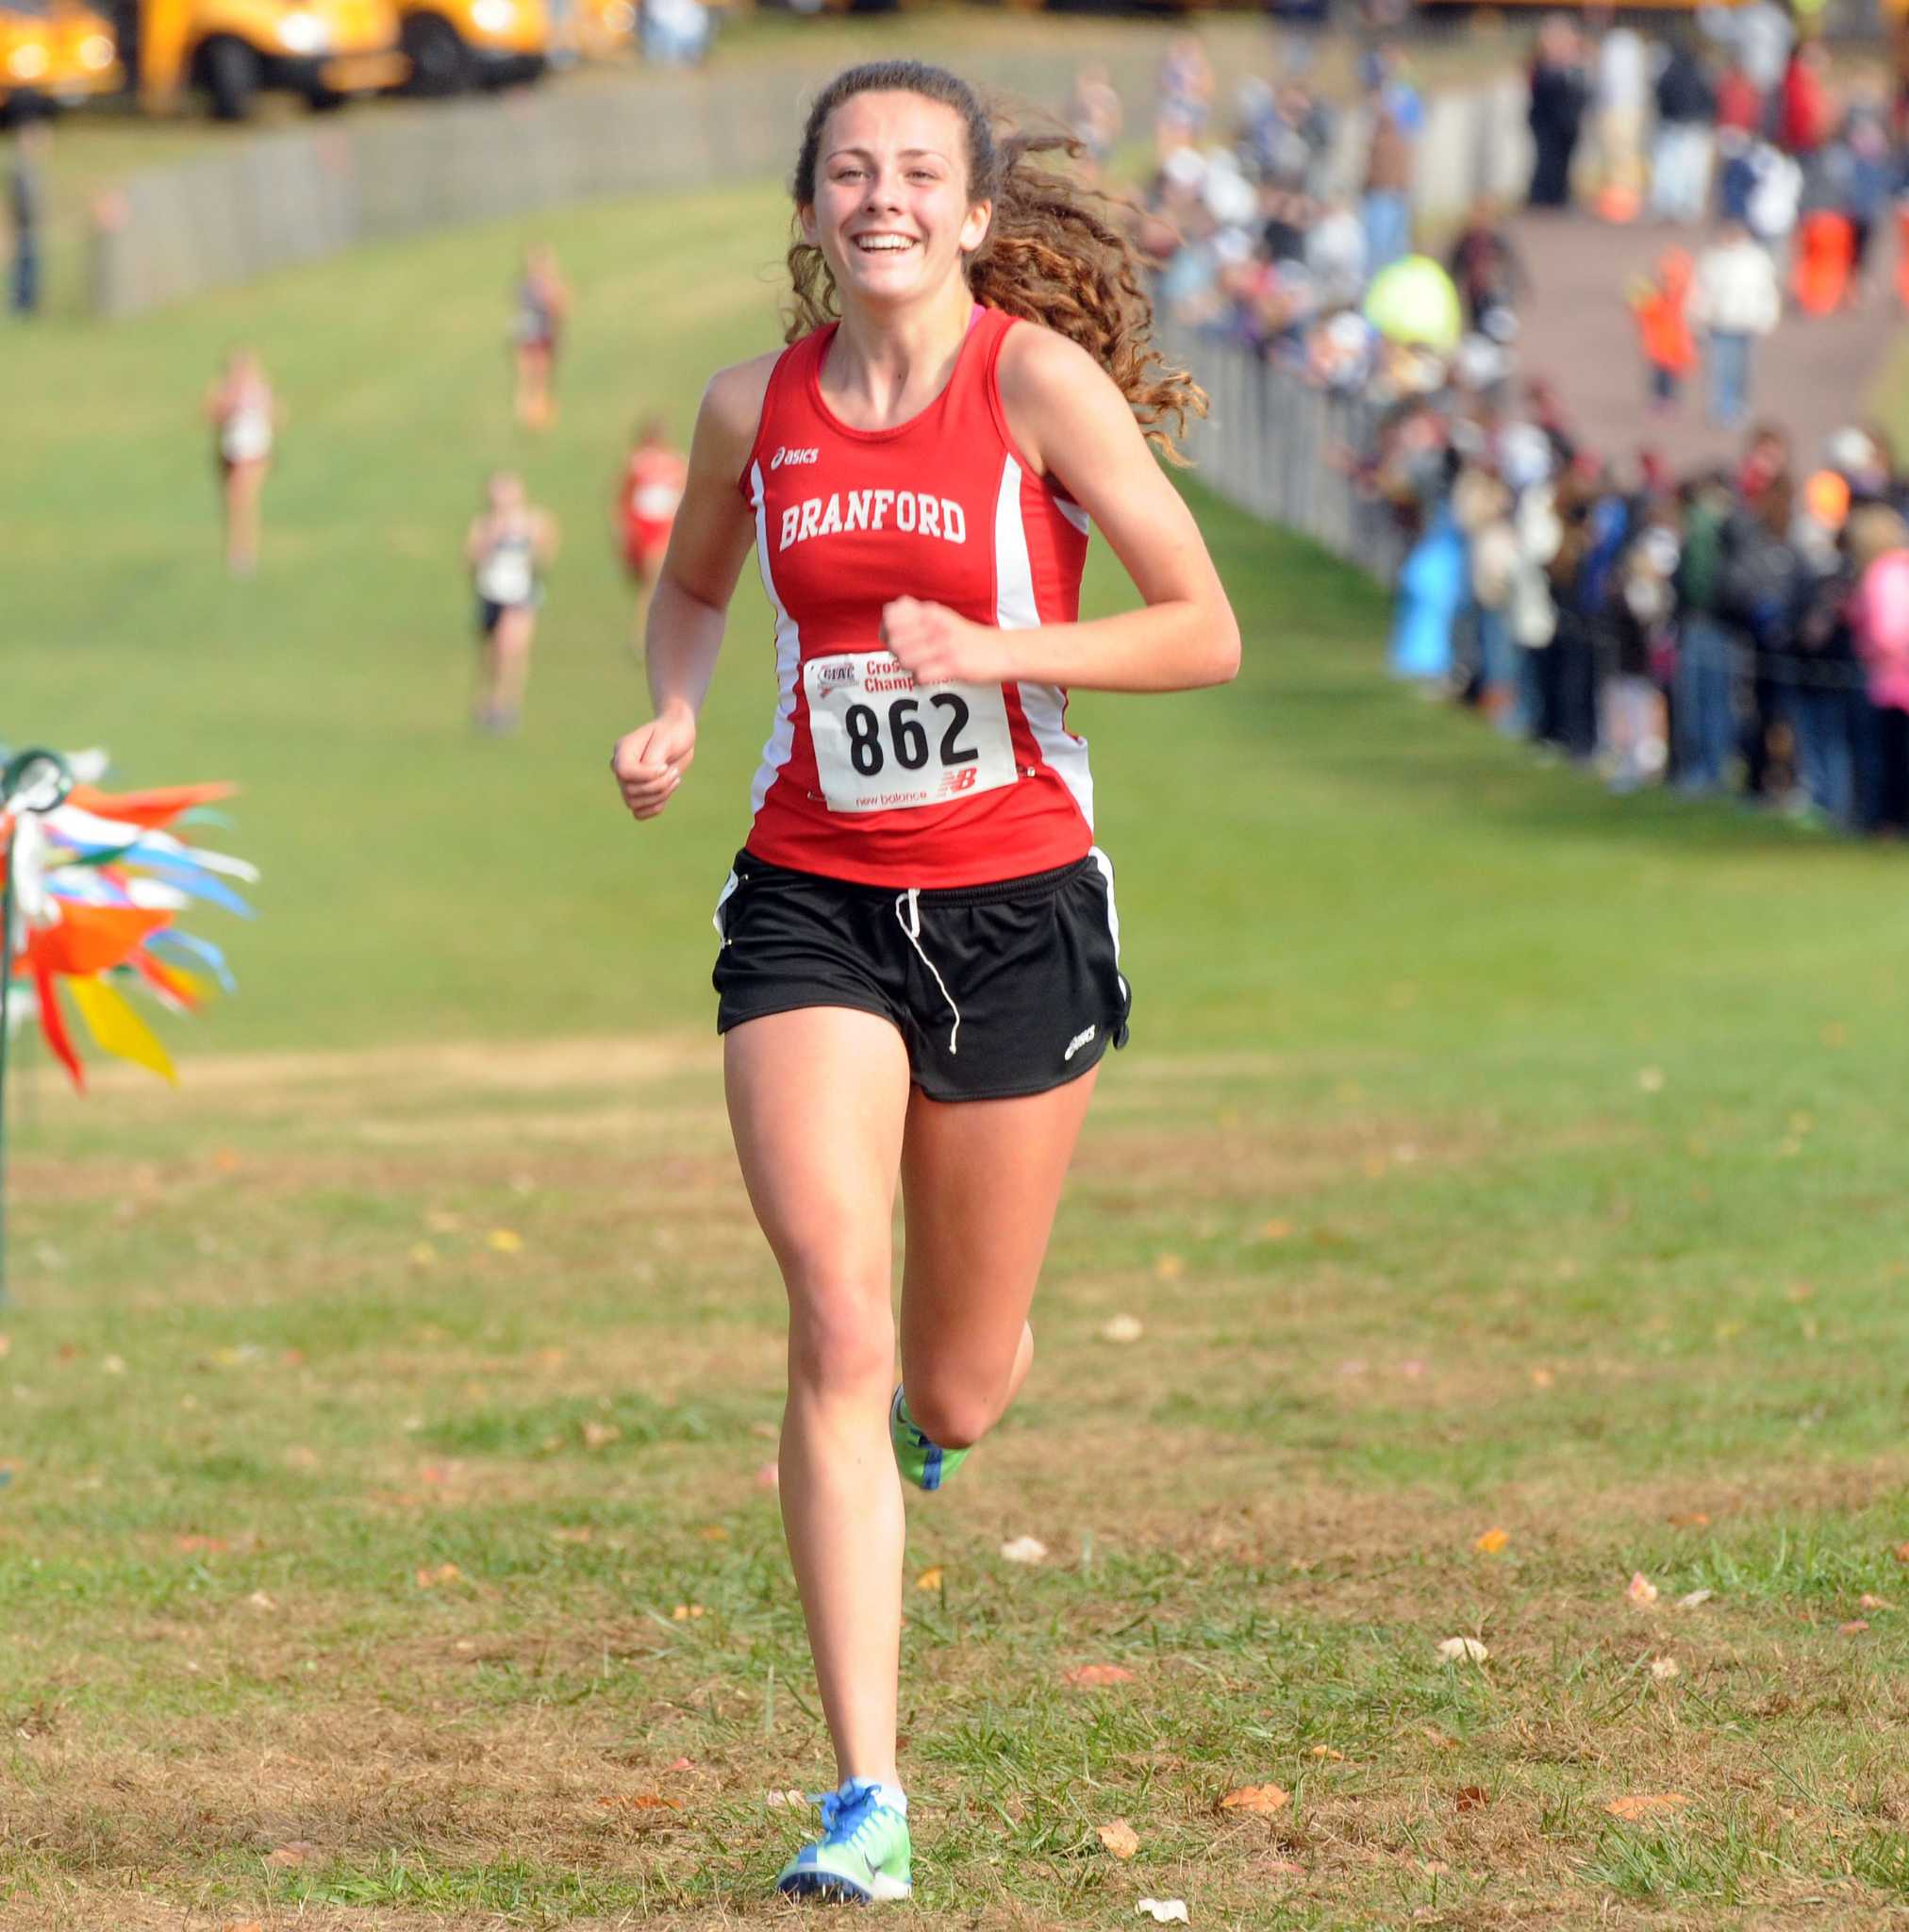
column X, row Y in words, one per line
column 975, row 229
column 805, row 220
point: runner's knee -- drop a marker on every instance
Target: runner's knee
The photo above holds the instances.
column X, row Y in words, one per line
column 953, row 1417
column 841, row 1340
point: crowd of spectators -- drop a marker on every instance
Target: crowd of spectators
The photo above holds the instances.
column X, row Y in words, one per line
column 1742, row 628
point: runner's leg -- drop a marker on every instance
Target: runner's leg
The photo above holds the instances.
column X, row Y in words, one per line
column 511, row 646
column 819, row 1152
column 981, row 1180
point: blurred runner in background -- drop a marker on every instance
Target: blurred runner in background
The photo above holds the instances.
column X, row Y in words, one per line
column 245, row 419
column 648, row 488
column 509, row 545
column 542, row 303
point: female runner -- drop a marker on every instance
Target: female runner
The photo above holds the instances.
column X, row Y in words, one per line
column 648, row 488
column 536, row 330
column 244, row 416
column 509, row 545
column 917, row 972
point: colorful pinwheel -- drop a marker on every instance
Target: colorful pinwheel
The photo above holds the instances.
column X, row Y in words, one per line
column 95, row 883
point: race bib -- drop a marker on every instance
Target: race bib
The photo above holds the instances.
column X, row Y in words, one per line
column 505, row 577
column 884, row 744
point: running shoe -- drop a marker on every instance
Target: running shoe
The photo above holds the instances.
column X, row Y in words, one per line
column 925, row 1464
column 862, row 1854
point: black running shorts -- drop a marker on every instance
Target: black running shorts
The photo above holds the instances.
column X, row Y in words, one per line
column 997, row 990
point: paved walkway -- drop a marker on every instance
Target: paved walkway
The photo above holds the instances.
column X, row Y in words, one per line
column 1812, row 376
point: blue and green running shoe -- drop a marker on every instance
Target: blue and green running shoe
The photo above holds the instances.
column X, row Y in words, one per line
column 862, row 1854
column 925, row 1464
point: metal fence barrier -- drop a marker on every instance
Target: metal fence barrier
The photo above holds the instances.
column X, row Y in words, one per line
column 301, row 196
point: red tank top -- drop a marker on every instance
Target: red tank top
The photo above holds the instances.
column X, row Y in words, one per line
column 866, row 777
column 653, row 489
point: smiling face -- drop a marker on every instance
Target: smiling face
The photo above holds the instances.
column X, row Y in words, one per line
column 891, row 213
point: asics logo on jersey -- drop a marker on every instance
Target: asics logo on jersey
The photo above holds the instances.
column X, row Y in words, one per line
column 794, row 455
column 1079, row 1041
column 914, row 512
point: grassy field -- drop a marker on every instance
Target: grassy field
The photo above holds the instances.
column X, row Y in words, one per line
column 1506, row 1182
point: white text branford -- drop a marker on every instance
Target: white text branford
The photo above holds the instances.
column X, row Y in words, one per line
column 912, row 511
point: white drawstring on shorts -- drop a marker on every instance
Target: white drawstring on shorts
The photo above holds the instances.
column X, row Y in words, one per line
column 908, row 911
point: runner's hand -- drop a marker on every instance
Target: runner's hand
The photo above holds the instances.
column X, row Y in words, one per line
column 941, row 647
column 649, row 762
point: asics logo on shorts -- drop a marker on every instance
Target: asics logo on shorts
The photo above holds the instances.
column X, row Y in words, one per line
column 1079, row 1041
column 793, row 457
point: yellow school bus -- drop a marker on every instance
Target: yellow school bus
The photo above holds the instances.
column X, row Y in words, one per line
column 228, row 50
column 54, row 54
column 456, row 44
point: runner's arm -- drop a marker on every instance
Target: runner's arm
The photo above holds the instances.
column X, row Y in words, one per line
column 1077, row 428
column 683, row 635
column 708, row 542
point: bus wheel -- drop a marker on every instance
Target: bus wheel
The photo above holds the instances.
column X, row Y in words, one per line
column 439, row 64
column 231, row 72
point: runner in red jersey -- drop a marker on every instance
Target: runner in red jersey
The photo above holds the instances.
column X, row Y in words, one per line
column 919, row 971
column 648, row 488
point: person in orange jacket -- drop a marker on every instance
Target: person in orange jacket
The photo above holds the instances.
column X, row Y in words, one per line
column 1658, row 302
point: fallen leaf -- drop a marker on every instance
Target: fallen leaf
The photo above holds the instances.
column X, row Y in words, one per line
column 1413, row 1371
column 571, row 1533
column 1087, row 1677
column 768, row 1431
column 1164, row 1911
column 1641, row 1590
column 1168, row 1268
column 299, row 1852
column 1542, row 1379
column 1438, row 1741
column 1327, row 1751
column 1651, row 1079
column 1694, row 1600
column 767, row 1476
column 1646, row 1805
column 1024, row 1549
column 299, row 1456
column 683, row 1764
column 1119, row 1839
column 1903, row 1552
column 1471, row 1797
column 1491, row 1541
column 504, row 1240
column 639, row 1801
column 600, row 1435
column 929, row 1579
column 1663, row 1669
column 201, row 1545
column 6, row 1346
column 259, row 1601
column 445, row 1572
column 1463, row 1650
column 1869, row 1600
column 424, row 1255
column 1263, row 1801
column 777, row 1801
column 113, row 1365
column 1688, row 1519
column 1275, row 1231
column 1123, row 1328
column 243, row 1926
column 1854, row 1627
column 1284, row 1868
column 713, row 1533
column 684, row 1612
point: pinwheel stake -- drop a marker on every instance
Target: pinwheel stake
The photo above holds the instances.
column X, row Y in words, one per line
column 32, row 781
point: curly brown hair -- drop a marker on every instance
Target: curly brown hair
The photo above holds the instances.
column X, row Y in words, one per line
column 1055, row 252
